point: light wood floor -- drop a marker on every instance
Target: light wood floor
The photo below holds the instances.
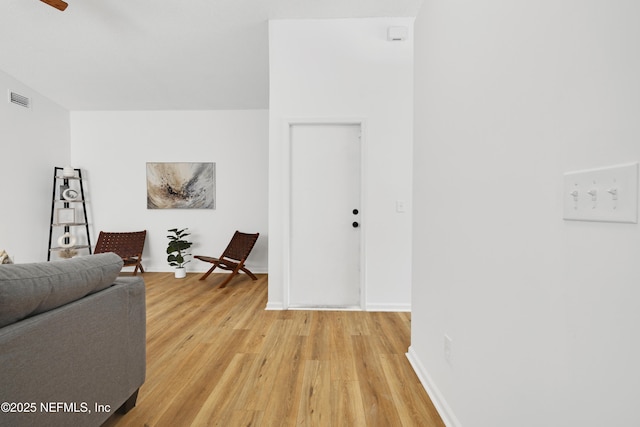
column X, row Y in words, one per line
column 215, row 357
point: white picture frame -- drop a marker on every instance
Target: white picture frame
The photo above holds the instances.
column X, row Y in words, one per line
column 181, row 185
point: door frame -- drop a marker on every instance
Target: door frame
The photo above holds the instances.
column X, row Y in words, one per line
column 286, row 191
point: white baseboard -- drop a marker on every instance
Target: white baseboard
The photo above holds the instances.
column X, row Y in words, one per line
column 443, row 408
column 279, row 305
column 389, row 307
column 274, row 306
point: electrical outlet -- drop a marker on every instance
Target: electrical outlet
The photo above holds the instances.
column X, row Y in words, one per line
column 448, row 343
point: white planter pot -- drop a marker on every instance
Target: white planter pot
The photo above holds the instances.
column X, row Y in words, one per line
column 181, row 272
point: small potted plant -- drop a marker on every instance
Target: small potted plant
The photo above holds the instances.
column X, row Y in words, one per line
column 177, row 250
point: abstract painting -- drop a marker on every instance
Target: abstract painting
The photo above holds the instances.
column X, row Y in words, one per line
column 181, row 185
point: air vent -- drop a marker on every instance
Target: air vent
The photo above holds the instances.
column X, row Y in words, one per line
column 18, row 99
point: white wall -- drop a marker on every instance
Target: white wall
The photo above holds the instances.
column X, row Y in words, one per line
column 33, row 142
column 346, row 69
column 112, row 148
column 543, row 313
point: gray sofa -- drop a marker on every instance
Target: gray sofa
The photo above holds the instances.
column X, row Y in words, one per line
column 72, row 341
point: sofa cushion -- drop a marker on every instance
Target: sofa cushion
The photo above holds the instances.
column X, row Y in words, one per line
column 29, row 289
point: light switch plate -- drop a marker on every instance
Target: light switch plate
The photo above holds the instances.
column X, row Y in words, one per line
column 608, row 194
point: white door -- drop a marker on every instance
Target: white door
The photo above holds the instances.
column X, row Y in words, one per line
column 325, row 216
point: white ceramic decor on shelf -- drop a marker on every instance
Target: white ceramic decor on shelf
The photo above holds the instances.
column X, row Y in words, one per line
column 68, row 172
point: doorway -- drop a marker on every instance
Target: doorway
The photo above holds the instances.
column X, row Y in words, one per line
column 325, row 216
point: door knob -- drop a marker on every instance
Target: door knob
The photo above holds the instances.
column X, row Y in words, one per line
column 355, row 225
column 355, row 211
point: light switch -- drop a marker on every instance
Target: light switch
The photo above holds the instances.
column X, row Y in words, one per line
column 400, row 206
column 608, row 194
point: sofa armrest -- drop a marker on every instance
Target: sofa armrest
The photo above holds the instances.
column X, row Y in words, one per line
column 79, row 362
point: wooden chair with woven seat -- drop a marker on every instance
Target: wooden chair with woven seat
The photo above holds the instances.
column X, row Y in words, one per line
column 128, row 245
column 233, row 257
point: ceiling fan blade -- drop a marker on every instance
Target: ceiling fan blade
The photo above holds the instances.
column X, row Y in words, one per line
column 58, row 4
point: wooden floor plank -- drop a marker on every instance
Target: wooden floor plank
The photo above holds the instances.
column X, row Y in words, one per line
column 343, row 362
column 263, row 372
column 347, row 409
column 288, row 383
column 314, row 409
column 246, row 419
column 412, row 408
column 320, row 330
column 218, row 378
column 379, row 405
column 217, row 357
column 217, row 409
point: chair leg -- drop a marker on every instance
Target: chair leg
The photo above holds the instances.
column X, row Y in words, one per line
column 205, row 275
column 235, row 271
column 138, row 266
column 228, row 279
column 250, row 274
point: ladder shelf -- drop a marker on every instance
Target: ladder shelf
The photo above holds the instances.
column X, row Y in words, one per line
column 69, row 224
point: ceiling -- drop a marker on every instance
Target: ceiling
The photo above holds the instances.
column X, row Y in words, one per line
column 157, row 54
